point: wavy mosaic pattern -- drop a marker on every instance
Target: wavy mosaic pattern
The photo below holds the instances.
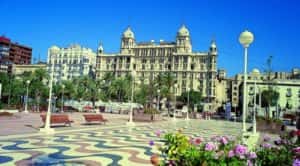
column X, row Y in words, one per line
column 103, row 146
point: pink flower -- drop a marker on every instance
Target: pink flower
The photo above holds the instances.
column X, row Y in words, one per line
column 197, row 141
column 249, row 163
column 171, row 162
column 267, row 145
column 210, row 146
column 252, row 155
column 224, row 140
column 158, row 133
column 278, row 142
column 240, row 151
column 230, row 153
column 296, row 162
column 297, row 150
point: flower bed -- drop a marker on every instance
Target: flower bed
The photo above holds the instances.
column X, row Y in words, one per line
column 182, row 150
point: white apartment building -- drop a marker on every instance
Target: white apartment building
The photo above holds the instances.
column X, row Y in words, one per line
column 70, row 62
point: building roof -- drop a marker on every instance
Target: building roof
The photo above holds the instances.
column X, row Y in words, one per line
column 183, row 31
column 128, row 33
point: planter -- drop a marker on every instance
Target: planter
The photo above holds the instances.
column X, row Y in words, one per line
column 157, row 117
column 154, row 160
column 146, row 117
column 198, row 115
column 268, row 126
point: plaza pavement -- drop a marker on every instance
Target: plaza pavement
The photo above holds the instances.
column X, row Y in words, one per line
column 22, row 123
column 110, row 144
column 114, row 143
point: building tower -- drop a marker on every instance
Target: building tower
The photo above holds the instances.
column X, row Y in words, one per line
column 100, row 49
column 127, row 41
column 183, row 41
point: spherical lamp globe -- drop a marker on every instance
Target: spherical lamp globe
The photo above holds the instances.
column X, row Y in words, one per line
column 246, row 38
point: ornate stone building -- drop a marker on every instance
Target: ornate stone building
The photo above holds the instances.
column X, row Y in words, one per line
column 196, row 70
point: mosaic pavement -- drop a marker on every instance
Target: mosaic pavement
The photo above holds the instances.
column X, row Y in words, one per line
column 103, row 146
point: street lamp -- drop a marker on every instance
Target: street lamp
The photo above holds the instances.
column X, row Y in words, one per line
column 254, row 113
column 131, row 123
column 62, row 98
column 47, row 128
column 188, row 104
column 158, row 100
column 0, row 90
column 246, row 38
column 174, row 112
column 26, row 103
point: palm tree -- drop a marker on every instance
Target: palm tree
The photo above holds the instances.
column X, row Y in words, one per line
column 69, row 90
column 38, row 88
column 86, row 88
column 195, row 97
column 269, row 98
column 109, row 76
column 17, row 90
column 166, row 91
column 105, row 86
column 142, row 94
column 5, row 81
column 159, row 79
column 120, row 89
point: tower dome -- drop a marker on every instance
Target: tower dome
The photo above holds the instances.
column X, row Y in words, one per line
column 213, row 47
column 183, row 31
column 213, row 44
column 54, row 49
column 100, row 48
column 255, row 71
column 128, row 33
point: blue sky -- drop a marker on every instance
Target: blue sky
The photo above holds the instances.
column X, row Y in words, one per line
column 275, row 24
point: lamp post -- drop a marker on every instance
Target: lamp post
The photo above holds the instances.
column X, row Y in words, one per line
column 47, row 128
column 188, row 104
column 62, row 98
column 254, row 113
column 26, row 103
column 131, row 123
column 174, row 112
column 0, row 90
column 158, row 100
column 246, row 38
column 259, row 99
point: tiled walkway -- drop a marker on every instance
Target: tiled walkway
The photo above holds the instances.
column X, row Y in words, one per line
column 104, row 145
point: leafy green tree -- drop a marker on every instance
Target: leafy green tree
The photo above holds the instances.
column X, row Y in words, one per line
column 5, row 81
column 166, row 91
column 38, row 88
column 269, row 98
column 70, row 89
column 105, row 85
column 195, row 97
column 141, row 95
column 120, row 89
column 17, row 90
column 86, row 89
